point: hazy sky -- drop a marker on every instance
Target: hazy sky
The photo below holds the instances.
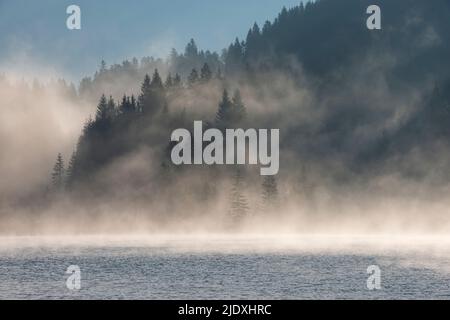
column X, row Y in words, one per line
column 34, row 33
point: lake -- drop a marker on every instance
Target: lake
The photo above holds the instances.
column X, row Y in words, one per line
column 225, row 267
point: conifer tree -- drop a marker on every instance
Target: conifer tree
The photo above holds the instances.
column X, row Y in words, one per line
column 111, row 108
column 206, row 73
column 193, row 77
column 152, row 99
column 191, row 49
column 58, row 174
column 177, row 81
column 239, row 205
column 269, row 193
column 239, row 111
column 102, row 109
column 156, row 81
column 223, row 116
column 169, row 81
column 231, row 113
column 70, row 172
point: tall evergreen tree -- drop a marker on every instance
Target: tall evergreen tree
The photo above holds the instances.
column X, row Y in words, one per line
column 111, row 108
column 269, row 193
column 193, row 77
column 144, row 97
column 70, row 172
column 224, row 114
column 177, row 81
column 232, row 112
column 152, row 99
column 191, row 50
column 102, row 67
column 205, row 74
column 102, row 113
column 239, row 205
column 157, row 82
column 58, row 174
column 239, row 111
column 169, row 81
column 128, row 105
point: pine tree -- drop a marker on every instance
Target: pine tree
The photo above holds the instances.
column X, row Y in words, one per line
column 102, row 67
column 145, row 94
column 193, row 77
column 239, row 111
column 239, row 204
column 111, row 108
column 177, row 81
column 152, row 99
column 231, row 113
column 70, row 172
column 206, row 73
column 269, row 193
column 156, row 81
column 191, row 50
column 169, row 81
column 127, row 105
column 102, row 109
column 58, row 174
column 223, row 116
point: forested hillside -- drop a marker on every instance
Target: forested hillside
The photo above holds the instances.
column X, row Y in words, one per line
column 361, row 112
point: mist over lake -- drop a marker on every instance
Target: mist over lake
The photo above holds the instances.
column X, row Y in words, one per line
column 307, row 158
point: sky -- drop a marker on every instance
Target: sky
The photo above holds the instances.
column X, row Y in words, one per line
column 34, row 39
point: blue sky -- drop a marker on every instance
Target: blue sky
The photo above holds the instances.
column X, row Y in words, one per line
column 33, row 32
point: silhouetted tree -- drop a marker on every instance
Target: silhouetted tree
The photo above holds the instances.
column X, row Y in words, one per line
column 157, row 83
column 206, row 73
column 144, row 97
column 177, row 81
column 58, row 174
column 103, row 111
column 231, row 113
column 239, row 110
column 269, row 193
column 70, row 172
column 224, row 114
column 193, row 77
column 169, row 81
column 152, row 99
column 191, row 49
column 239, row 204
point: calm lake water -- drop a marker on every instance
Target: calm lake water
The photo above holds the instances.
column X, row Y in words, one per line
column 221, row 267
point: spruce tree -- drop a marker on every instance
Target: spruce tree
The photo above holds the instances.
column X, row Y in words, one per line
column 58, row 174
column 193, row 77
column 191, row 50
column 177, row 81
column 232, row 112
column 102, row 109
column 144, row 97
column 239, row 111
column 239, row 205
column 111, row 108
column 156, row 81
column 169, row 81
column 223, row 116
column 269, row 193
column 70, row 172
column 206, row 73
column 152, row 99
